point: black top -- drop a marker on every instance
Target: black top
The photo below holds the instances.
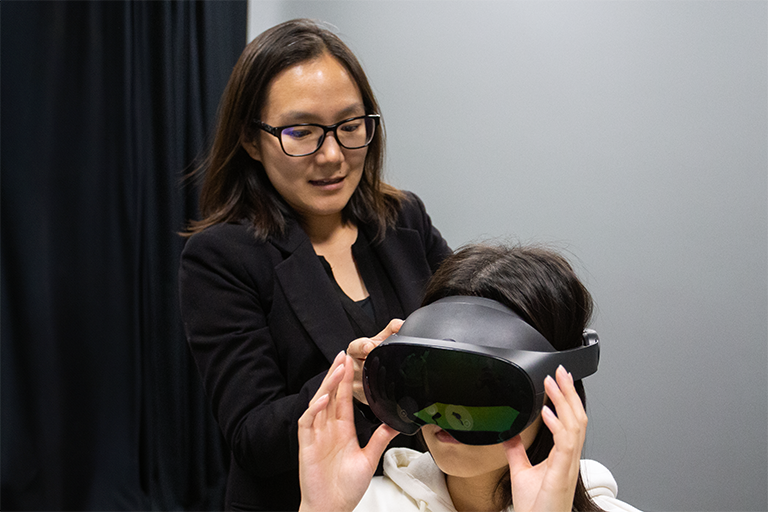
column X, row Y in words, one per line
column 372, row 314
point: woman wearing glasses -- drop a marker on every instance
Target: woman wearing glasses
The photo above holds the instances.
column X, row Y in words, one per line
column 538, row 470
column 302, row 250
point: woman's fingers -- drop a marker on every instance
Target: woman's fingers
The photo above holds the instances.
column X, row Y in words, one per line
column 343, row 407
column 568, row 427
column 332, row 377
column 359, row 349
column 308, row 418
column 565, row 382
column 562, row 393
column 393, row 327
column 316, row 415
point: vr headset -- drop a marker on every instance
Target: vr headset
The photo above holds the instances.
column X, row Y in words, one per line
column 469, row 365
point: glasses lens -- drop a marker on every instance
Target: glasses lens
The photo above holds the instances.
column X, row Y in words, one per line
column 356, row 133
column 478, row 399
column 304, row 140
column 300, row 140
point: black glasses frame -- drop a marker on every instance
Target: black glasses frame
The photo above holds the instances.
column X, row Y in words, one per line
column 276, row 131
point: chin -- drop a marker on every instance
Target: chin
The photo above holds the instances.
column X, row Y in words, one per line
column 463, row 460
column 327, row 210
column 468, row 466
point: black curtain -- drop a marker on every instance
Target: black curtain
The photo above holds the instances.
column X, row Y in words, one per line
column 104, row 107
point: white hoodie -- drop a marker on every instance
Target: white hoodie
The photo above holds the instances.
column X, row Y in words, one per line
column 413, row 482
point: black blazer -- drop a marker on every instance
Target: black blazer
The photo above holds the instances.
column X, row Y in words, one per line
column 264, row 322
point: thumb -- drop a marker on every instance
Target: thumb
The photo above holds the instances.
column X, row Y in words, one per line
column 378, row 442
column 359, row 348
column 392, row 328
column 516, row 456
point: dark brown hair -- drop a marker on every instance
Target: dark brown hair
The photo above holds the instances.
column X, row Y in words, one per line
column 235, row 186
column 540, row 286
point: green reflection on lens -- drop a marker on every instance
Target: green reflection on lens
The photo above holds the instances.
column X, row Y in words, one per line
column 497, row 418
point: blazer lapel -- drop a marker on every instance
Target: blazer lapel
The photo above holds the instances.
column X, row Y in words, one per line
column 402, row 255
column 310, row 294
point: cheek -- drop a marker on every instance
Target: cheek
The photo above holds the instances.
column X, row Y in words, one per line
column 280, row 170
column 356, row 158
column 276, row 178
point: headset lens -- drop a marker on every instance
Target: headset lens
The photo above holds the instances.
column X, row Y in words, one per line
column 477, row 398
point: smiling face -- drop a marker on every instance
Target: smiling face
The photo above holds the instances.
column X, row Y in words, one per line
column 468, row 461
column 316, row 91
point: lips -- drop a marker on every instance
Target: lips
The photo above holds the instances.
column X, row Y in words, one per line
column 325, row 183
column 445, row 437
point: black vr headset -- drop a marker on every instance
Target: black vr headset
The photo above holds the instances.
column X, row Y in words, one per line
column 452, row 364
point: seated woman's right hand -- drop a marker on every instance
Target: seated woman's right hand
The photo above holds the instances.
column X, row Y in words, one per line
column 359, row 349
column 550, row 485
column 334, row 472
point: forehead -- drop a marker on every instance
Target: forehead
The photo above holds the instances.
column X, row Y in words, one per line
column 318, row 90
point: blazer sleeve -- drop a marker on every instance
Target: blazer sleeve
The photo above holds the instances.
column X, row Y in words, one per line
column 226, row 287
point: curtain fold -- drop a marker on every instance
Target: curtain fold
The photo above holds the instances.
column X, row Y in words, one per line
column 105, row 105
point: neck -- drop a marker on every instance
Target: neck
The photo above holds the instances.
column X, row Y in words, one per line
column 330, row 235
column 324, row 229
column 475, row 493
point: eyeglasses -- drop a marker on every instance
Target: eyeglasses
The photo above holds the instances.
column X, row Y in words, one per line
column 305, row 139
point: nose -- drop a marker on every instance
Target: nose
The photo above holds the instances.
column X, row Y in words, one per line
column 330, row 151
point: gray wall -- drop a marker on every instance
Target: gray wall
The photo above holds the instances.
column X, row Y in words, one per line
column 633, row 136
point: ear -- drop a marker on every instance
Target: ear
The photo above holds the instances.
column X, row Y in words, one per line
column 250, row 148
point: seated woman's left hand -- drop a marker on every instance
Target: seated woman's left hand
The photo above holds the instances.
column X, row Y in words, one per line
column 550, row 485
column 334, row 472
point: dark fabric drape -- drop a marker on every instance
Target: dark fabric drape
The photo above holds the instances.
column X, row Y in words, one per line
column 104, row 107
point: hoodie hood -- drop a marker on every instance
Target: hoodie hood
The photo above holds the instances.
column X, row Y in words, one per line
column 413, row 482
column 419, row 477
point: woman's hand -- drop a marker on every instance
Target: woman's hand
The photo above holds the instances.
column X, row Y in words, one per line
column 359, row 349
column 550, row 485
column 334, row 472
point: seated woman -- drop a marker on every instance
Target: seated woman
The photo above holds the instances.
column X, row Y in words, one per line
column 537, row 470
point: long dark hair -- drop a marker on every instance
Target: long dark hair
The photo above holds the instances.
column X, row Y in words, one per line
column 540, row 286
column 235, row 186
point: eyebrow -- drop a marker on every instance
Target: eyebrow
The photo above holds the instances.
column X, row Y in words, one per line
column 299, row 116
